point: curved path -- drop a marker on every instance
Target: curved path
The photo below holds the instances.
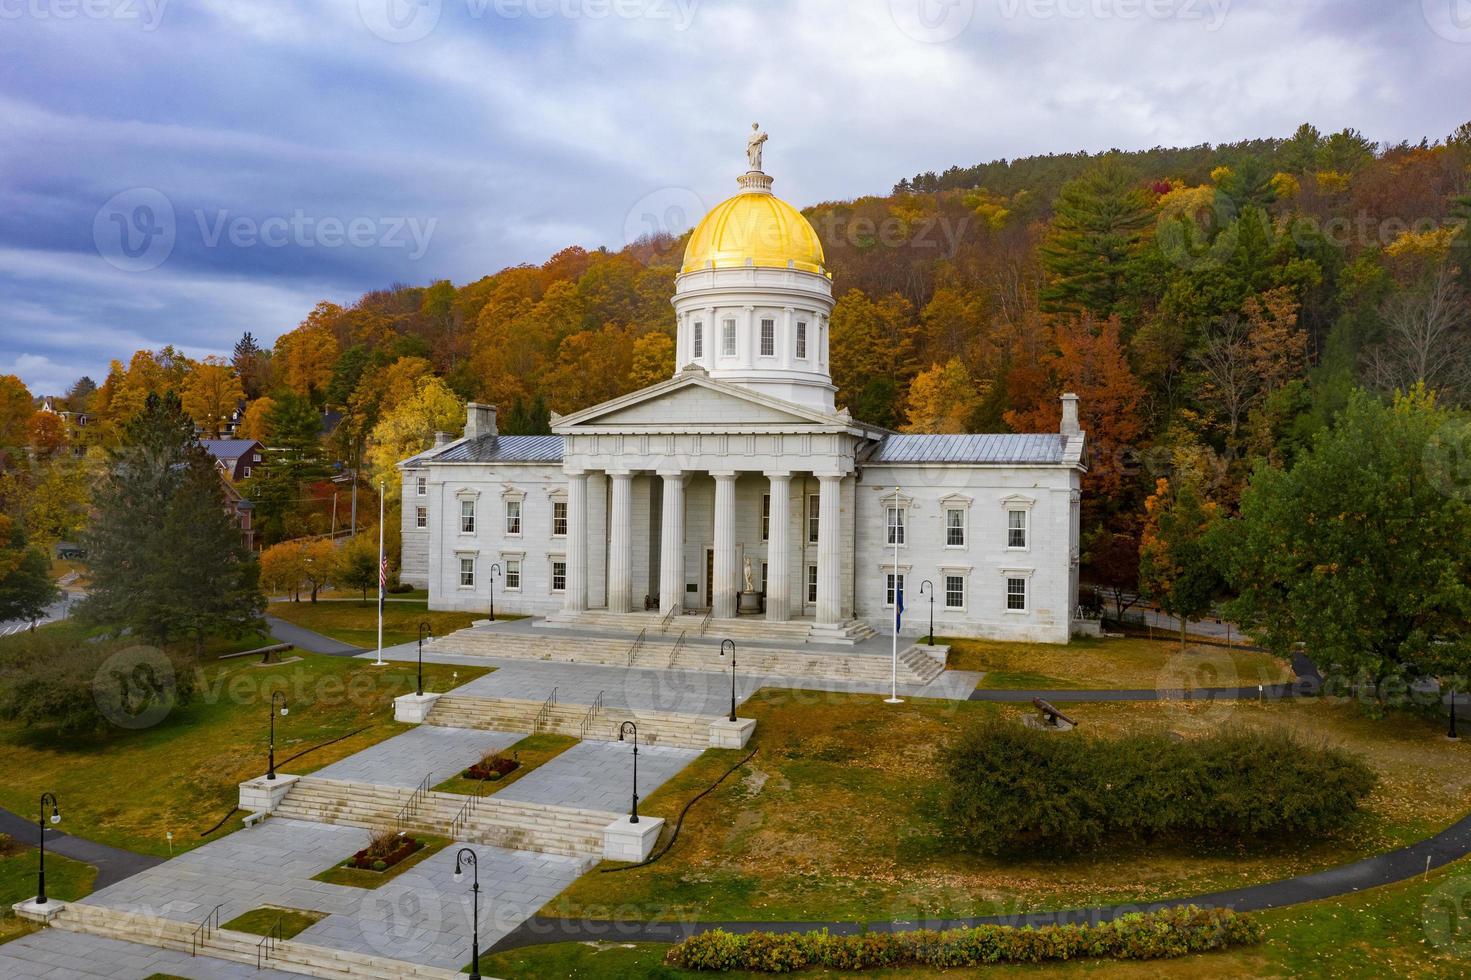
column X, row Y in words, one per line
column 1382, row 869
column 113, row 864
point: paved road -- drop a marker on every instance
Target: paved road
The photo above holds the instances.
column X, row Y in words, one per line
column 113, row 864
column 309, row 640
column 57, row 610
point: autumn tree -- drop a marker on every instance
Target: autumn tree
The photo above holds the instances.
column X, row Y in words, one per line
column 16, row 409
column 256, row 423
column 356, row 565
column 942, row 399
column 212, row 391
column 45, row 434
column 283, row 569
column 410, row 429
column 1427, row 339
column 653, row 360
column 304, row 357
column 1177, row 565
column 26, row 588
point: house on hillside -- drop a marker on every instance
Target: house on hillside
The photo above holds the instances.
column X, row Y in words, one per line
column 237, row 458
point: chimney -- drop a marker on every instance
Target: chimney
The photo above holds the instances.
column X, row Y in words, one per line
column 441, row 439
column 479, row 420
column 1070, row 415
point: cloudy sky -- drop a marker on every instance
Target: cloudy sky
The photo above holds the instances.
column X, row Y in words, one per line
column 179, row 171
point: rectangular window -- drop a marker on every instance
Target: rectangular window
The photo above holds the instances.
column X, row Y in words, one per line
column 513, row 574
column 1016, row 529
column 813, row 503
column 768, row 338
column 954, row 591
column 513, row 517
column 559, row 518
column 892, row 581
column 896, row 525
column 467, row 517
column 801, row 338
column 1016, row 594
column 421, row 517
column 763, row 578
column 247, row 472
column 955, row 528
column 727, row 338
column 559, row 576
column 421, row 485
column 811, row 584
column 766, row 517
column 698, row 343
column 467, row 573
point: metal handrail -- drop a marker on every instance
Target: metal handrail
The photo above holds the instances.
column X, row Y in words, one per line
column 705, row 623
column 638, row 644
column 668, row 618
column 591, row 716
column 678, row 645
column 545, row 714
column 206, row 928
column 401, row 819
column 266, row 948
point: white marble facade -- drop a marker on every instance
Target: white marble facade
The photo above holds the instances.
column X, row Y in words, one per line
column 657, row 499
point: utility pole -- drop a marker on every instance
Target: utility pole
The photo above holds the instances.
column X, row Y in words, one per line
column 357, row 453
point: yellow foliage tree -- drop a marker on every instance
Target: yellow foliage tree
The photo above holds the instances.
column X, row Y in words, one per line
column 942, row 399
column 211, row 392
column 410, row 428
column 254, row 425
column 653, row 360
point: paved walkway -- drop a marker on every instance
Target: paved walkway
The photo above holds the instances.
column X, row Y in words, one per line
column 598, row 775
column 52, row 954
column 405, row 759
column 422, row 915
column 308, row 640
column 113, row 864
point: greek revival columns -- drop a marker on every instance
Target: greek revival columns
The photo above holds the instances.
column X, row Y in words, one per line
column 576, row 600
column 620, row 543
column 724, row 599
column 671, row 542
column 829, row 558
column 778, row 551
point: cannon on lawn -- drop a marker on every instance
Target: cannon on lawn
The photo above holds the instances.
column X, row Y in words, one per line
column 1051, row 717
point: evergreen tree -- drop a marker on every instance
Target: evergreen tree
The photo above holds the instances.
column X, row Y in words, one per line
column 164, row 557
column 1093, row 247
column 293, row 463
column 26, row 588
column 246, row 359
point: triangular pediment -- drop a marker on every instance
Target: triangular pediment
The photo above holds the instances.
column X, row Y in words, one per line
column 692, row 399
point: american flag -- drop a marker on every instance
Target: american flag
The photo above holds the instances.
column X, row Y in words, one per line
column 382, row 579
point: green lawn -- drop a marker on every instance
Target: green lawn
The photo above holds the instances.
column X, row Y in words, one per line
column 836, row 818
column 339, row 874
column 532, row 751
column 259, row 922
column 1112, row 663
column 65, row 880
column 129, row 788
column 356, row 622
column 1377, row 933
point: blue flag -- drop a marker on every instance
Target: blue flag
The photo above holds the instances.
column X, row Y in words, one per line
column 899, row 605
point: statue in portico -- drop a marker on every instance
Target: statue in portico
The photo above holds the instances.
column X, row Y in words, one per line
column 750, row 582
column 753, row 147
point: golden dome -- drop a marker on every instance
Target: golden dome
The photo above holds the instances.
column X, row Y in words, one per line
column 758, row 226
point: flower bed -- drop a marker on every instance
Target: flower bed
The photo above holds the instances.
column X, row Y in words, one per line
column 376, row 857
column 492, row 769
column 1145, row 936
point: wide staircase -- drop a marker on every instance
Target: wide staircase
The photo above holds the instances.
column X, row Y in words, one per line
column 205, row 938
column 577, row 720
column 654, row 651
column 697, row 624
column 477, row 820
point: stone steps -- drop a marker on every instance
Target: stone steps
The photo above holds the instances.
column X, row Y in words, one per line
column 658, row 653
column 745, row 627
column 504, row 823
column 290, row 955
column 517, row 715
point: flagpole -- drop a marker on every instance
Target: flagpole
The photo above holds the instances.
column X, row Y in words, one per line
column 382, row 578
column 894, row 697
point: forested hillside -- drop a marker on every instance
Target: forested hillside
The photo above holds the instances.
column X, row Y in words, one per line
column 1213, row 307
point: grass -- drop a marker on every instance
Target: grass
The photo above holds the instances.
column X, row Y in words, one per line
column 65, row 879
column 533, row 751
column 128, row 788
column 1112, row 663
column 259, row 922
column 356, row 622
column 340, row 874
column 846, row 790
column 1395, row 931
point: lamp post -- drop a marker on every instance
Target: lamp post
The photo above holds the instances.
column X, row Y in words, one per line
column 1452, row 733
column 928, row 586
column 424, row 630
column 41, row 823
column 626, row 727
column 271, row 765
column 494, row 571
column 464, row 857
column 732, row 674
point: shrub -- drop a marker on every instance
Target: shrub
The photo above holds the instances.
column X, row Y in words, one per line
column 493, row 766
column 1012, row 788
column 1163, row 934
column 385, row 849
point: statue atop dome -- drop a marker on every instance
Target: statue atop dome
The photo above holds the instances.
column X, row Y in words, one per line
column 753, row 147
